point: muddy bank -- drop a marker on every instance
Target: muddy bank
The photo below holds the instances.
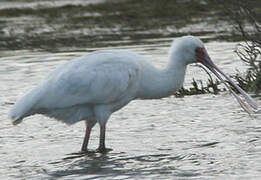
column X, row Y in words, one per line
column 70, row 26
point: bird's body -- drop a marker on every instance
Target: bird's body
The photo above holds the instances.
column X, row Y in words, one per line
column 94, row 86
column 97, row 85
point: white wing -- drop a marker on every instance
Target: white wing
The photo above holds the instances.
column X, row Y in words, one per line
column 97, row 79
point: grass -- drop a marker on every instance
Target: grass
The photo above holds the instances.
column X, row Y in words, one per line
column 247, row 19
column 198, row 87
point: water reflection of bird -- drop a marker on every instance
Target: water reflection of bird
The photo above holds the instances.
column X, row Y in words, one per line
column 93, row 86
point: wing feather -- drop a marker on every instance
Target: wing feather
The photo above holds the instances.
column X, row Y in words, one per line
column 100, row 82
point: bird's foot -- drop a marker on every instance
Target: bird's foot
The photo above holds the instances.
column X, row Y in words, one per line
column 84, row 152
column 103, row 150
column 88, row 151
column 81, row 154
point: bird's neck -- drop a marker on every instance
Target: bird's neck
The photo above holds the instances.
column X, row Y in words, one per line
column 159, row 83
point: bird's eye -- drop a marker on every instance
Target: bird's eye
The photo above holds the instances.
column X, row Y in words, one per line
column 200, row 53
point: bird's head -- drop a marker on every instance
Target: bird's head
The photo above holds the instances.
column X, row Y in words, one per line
column 191, row 49
column 188, row 48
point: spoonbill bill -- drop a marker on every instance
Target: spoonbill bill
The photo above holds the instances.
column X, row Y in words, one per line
column 92, row 87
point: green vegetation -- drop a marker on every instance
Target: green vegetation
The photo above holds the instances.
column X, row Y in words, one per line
column 246, row 17
column 199, row 88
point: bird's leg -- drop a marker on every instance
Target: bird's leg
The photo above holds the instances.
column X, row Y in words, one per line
column 101, row 147
column 86, row 138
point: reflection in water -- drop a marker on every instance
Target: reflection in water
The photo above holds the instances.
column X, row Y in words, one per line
column 122, row 166
column 195, row 137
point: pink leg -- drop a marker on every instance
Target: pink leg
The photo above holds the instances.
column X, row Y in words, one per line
column 101, row 147
column 86, row 138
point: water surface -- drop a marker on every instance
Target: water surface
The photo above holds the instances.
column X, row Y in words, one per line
column 195, row 137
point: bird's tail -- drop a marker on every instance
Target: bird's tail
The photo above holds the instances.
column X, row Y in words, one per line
column 24, row 107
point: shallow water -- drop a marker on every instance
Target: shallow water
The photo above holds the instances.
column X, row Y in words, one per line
column 195, row 137
column 31, row 4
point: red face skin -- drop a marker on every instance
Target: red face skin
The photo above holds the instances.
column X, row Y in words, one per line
column 203, row 58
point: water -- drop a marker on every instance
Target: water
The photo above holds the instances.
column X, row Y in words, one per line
column 195, row 137
column 31, row 4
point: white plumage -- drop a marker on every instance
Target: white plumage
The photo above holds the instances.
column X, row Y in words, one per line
column 95, row 85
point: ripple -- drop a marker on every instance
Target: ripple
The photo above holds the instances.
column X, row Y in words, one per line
column 195, row 137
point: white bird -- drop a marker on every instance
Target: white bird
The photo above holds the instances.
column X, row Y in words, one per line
column 93, row 86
